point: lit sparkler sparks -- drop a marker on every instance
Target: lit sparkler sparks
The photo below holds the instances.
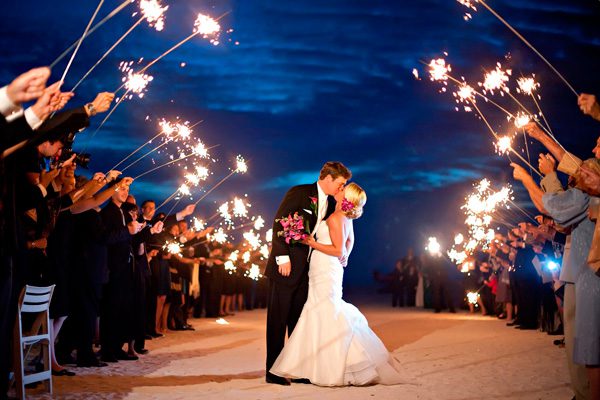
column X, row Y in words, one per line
column 184, row 190
column 503, row 145
column 202, row 172
column 259, row 223
column 496, row 80
column 230, row 266
column 173, row 248
column 154, row 13
column 224, row 211
column 246, row 257
column 234, row 256
column 193, row 179
column 208, row 27
column 241, row 166
column 200, row 150
column 433, row 247
column 264, row 251
column 254, row 272
column 527, row 85
column 198, row 225
column 135, row 83
column 219, row 236
column 458, row 239
column 240, row 209
column 522, row 119
column 253, row 239
column 473, row 297
column 438, row 70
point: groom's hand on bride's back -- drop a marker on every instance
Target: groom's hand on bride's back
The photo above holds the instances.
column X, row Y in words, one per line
column 344, row 260
column 285, row 269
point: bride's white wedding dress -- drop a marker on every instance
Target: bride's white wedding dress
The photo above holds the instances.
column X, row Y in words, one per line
column 332, row 344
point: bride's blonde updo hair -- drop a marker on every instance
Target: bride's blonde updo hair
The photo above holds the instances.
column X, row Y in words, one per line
column 356, row 196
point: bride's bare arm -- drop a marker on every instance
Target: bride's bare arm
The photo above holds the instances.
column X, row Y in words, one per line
column 336, row 232
column 350, row 239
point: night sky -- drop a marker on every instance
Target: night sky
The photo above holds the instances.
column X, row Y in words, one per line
column 329, row 80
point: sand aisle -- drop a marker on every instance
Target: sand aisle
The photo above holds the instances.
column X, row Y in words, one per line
column 446, row 356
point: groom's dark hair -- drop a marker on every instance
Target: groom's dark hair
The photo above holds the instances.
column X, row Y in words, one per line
column 335, row 169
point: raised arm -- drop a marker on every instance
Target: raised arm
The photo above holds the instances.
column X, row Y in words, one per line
column 534, row 190
column 552, row 145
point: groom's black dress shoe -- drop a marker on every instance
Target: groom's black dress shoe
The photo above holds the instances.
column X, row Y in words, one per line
column 278, row 380
column 301, row 380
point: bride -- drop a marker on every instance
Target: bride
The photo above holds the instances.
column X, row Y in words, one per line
column 332, row 344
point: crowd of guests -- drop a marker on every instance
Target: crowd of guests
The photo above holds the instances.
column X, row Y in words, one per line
column 544, row 273
column 116, row 281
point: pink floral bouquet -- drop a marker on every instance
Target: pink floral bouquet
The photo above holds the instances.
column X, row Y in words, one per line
column 295, row 230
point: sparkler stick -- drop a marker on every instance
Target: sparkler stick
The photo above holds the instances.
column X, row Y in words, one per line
column 105, row 119
column 146, row 143
column 87, row 28
column 513, row 30
column 510, row 147
column 528, row 215
column 163, row 165
column 241, row 168
column 135, row 25
column 92, row 30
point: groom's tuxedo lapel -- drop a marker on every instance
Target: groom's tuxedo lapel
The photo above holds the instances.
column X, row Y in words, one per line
column 313, row 217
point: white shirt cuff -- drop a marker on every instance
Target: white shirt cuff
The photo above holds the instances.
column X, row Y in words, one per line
column 178, row 216
column 43, row 189
column 16, row 114
column 7, row 107
column 282, row 259
column 32, row 120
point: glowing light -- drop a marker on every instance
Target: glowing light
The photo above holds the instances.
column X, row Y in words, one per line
column 253, row 239
column 184, row 190
column 219, row 236
column 135, row 83
column 264, row 251
column 269, row 236
column 154, row 13
column 241, row 166
column 222, row 321
column 239, row 208
column 198, row 225
column 230, row 266
column 458, row 239
column 438, row 70
column 522, row 119
column 208, row 27
column 503, row 145
column 527, row 85
column 200, row 150
column 173, row 248
column 259, row 223
column 246, row 257
column 552, row 265
column 465, row 93
column 193, row 179
column 433, row 247
column 415, row 73
column 496, row 79
column 234, row 256
column 468, row 4
column 254, row 272
column 473, row 297
column 202, row 172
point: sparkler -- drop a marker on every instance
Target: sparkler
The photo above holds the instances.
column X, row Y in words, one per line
column 151, row 11
column 241, row 168
column 173, row 248
column 218, row 236
column 85, row 32
column 246, row 257
column 92, row 30
column 254, row 272
column 433, row 247
column 239, row 208
column 264, row 251
column 469, row 3
column 259, row 223
column 473, row 297
column 183, row 157
column 269, row 236
column 230, row 267
column 253, row 239
column 198, row 225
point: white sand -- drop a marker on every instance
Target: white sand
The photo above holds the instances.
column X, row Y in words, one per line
column 446, row 356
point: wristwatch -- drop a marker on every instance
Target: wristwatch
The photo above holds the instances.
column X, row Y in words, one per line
column 91, row 110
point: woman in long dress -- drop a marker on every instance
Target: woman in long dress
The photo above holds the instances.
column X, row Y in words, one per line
column 332, row 344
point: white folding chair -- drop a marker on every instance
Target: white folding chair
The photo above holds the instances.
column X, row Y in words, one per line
column 33, row 300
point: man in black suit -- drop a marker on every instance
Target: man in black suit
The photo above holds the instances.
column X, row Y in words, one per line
column 287, row 267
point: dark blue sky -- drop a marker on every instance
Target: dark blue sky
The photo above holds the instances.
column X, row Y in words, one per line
column 329, row 80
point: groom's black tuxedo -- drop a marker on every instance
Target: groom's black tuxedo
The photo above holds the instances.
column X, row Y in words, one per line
column 287, row 294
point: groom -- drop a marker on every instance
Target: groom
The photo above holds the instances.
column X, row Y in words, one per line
column 287, row 267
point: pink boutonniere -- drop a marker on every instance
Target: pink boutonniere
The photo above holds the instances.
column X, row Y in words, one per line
column 314, row 205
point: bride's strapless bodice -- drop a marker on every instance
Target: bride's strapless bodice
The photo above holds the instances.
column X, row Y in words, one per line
column 322, row 233
column 325, row 274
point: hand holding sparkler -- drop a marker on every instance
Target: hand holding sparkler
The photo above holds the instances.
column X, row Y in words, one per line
column 44, row 105
column 157, row 228
column 100, row 104
column 112, row 175
column 588, row 104
column 28, row 86
column 134, row 227
column 519, row 173
column 547, row 164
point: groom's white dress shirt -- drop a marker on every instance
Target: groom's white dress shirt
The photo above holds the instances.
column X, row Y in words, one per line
column 322, row 209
